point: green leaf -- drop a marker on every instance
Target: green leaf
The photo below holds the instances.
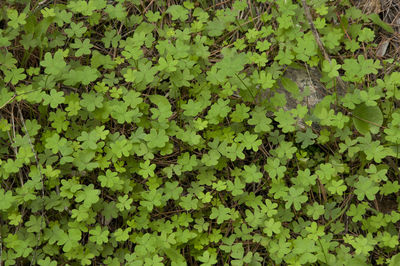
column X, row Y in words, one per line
column 35, row 223
column 378, row 21
column 5, row 97
column 15, row 18
column 290, row 86
column 260, row 120
column 111, row 180
column 370, row 97
column 337, row 187
column 47, row 262
column 367, row 118
column 156, row 138
column 252, row 174
column 218, row 111
column 178, row 12
column 373, row 149
column 271, row 227
column 395, row 260
column 285, row 120
column 124, row 202
column 315, row 210
column 188, row 203
column 221, row 213
column 208, row 258
column 390, row 187
column 237, row 188
column 153, row 16
column 146, row 169
column 70, row 241
column 356, row 70
column 15, row 75
column 88, row 195
column 306, row 138
column 82, row 74
column 366, row 35
column 151, row 199
column 118, row 11
column 54, row 143
column 76, row 30
column 211, row 158
column 215, row 27
column 295, row 198
column 331, row 68
column 274, row 168
column 55, row 98
column 365, row 187
column 266, row 81
column 164, row 107
column 60, row 123
column 240, row 113
column 91, row 101
column 250, row 141
column 83, row 48
column 6, row 199
column 130, row 75
column 54, row 65
column 363, row 245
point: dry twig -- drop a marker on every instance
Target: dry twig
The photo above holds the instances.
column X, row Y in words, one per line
column 318, row 39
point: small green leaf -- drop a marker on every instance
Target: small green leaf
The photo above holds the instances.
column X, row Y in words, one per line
column 395, row 260
column 222, row 214
column 54, row 65
column 365, row 188
column 290, row 86
column 378, row 21
column 367, row 118
column 178, row 12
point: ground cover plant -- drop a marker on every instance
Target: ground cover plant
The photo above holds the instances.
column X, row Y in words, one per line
column 133, row 133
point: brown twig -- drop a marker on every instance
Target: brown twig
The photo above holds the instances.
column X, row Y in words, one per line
column 148, row 6
column 41, row 177
column 7, row 102
column 318, row 39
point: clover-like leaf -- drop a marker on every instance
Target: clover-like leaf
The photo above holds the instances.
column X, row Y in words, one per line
column 365, row 188
column 54, row 65
column 221, row 213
